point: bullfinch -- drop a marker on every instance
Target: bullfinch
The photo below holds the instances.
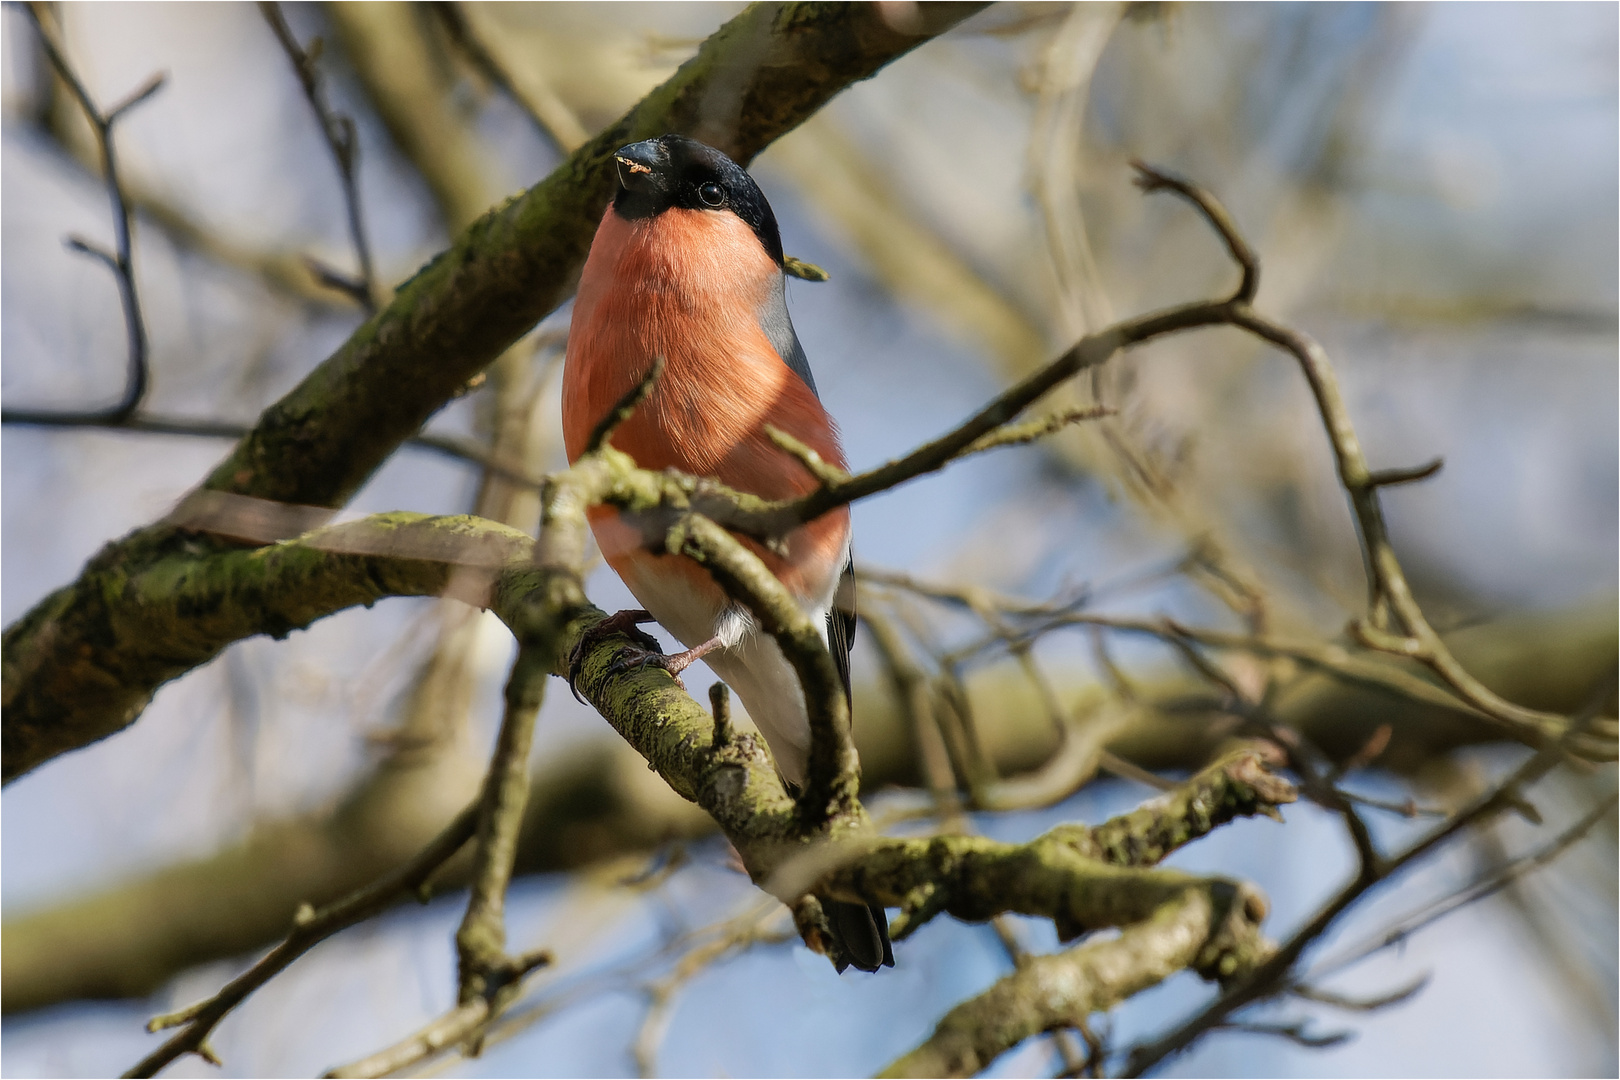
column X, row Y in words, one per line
column 687, row 265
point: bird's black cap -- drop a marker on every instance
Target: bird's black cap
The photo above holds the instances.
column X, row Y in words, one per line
column 674, row 171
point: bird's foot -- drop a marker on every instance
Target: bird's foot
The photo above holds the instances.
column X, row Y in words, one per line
column 674, row 663
column 625, row 622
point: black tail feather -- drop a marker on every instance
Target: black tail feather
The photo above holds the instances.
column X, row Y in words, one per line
column 861, row 929
column 863, row 932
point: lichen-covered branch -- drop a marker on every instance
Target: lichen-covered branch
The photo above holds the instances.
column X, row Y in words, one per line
column 1081, row 877
column 1270, row 975
column 175, row 601
column 1086, row 879
column 1212, row 931
column 600, row 801
column 834, row 771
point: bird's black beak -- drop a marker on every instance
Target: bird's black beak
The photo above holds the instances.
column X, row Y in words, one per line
column 638, row 164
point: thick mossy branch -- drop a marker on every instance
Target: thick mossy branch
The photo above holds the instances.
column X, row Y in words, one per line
column 599, row 801
column 1213, row 930
column 85, row 663
column 1082, row 878
column 1236, row 786
column 735, row 781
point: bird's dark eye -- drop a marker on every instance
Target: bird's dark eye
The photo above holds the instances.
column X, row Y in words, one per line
column 711, row 194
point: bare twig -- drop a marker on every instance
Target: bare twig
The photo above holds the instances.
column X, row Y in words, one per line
column 446, row 445
column 1493, row 883
column 481, row 941
column 737, row 935
column 1269, row 977
column 1355, row 1004
column 339, row 132
column 1391, row 477
column 629, row 403
column 120, row 259
column 309, row 928
column 1299, row 1034
column 1150, row 179
column 489, row 977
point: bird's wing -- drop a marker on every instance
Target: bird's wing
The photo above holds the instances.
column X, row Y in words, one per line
column 778, row 326
column 841, row 626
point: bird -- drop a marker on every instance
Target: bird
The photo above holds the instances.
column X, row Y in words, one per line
column 687, row 266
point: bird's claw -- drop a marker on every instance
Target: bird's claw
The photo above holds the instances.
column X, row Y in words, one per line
column 633, row 656
column 625, row 623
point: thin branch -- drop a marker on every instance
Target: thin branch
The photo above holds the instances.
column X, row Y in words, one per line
column 282, row 272
column 1488, row 886
column 1150, row 179
column 764, row 519
column 1392, row 477
column 628, row 404
column 1269, row 977
column 449, row 446
column 1039, row 428
column 1387, row 581
column 1408, row 809
column 1299, row 1034
column 489, row 977
column 453, row 1027
column 740, row 934
column 309, row 929
column 121, row 259
column 1355, row 1004
column 833, row 773
column 339, row 132
column 481, row 940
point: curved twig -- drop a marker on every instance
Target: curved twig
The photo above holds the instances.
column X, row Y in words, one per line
column 342, row 140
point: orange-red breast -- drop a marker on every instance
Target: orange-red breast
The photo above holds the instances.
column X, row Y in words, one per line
column 687, row 265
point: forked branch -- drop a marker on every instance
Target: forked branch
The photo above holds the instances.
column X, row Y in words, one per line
column 120, row 260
